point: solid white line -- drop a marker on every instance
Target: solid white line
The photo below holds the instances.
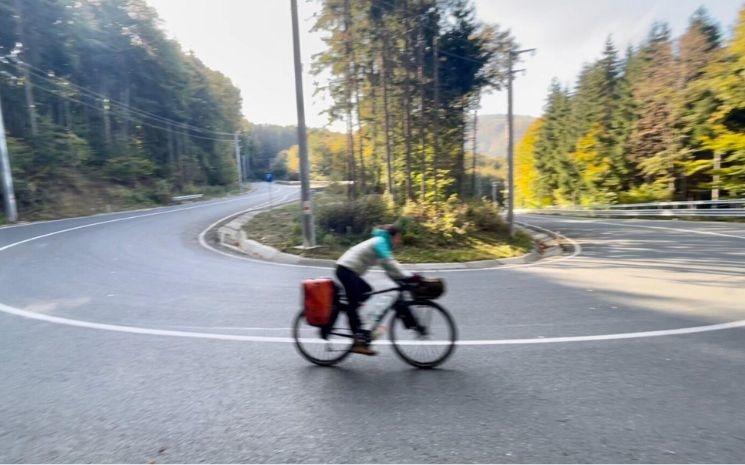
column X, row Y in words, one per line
column 125, row 218
column 633, row 225
column 95, row 215
column 474, row 342
column 231, row 337
column 575, row 244
column 120, row 212
column 577, row 251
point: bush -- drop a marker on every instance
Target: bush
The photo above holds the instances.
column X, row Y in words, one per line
column 128, row 170
column 448, row 223
column 162, row 192
column 485, row 216
column 357, row 216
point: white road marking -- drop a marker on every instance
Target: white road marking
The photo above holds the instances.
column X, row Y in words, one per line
column 473, row 342
column 125, row 218
column 96, row 215
column 232, row 337
column 577, row 251
column 666, row 228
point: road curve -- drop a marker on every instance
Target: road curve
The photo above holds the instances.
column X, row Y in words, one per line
column 96, row 394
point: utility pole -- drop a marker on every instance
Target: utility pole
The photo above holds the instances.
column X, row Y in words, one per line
column 9, row 197
column 238, row 163
column 309, row 233
column 511, row 56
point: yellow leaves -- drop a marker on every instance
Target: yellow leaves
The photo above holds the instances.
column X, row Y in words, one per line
column 737, row 47
column 698, row 166
column 591, row 165
column 526, row 174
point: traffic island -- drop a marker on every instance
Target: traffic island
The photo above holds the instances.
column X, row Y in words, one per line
column 274, row 234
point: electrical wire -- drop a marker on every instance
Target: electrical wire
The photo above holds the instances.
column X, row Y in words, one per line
column 40, row 74
column 126, row 117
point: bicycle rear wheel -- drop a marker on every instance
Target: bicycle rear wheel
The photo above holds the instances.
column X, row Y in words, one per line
column 323, row 352
column 431, row 341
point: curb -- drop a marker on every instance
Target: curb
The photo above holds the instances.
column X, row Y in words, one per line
column 231, row 235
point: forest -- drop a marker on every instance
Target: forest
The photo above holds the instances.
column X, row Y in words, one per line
column 405, row 77
column 665, row 121
column 102, row 110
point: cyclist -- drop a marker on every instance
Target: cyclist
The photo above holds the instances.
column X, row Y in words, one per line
column 355, row 263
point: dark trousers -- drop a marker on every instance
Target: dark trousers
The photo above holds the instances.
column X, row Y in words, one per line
column 356, row 289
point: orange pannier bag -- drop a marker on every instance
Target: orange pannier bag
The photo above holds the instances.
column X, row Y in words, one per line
column 318, row 300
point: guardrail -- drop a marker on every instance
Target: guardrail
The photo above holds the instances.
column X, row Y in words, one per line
column 731, row 208
column 184, row 198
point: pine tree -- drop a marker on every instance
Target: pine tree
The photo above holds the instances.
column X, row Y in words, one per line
column 699, row 46
column 653, row 138
column 724, row 129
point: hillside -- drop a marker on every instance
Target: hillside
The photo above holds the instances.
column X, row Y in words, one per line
column 104, row 111
column 492, row 133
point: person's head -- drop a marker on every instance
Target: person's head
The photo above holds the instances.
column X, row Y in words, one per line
column 394, row 232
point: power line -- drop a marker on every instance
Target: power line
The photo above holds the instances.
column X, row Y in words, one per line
column 127, row 117
column 40, row 74
column 142, row 113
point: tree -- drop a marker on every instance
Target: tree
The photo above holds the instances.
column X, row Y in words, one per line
column 97, row 92
column 526, row 172
column 724, row 133
column 653, row 140
column 411, row 77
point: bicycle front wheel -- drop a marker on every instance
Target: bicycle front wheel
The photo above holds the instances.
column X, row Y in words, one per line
column 315, row 349
column 430, row 341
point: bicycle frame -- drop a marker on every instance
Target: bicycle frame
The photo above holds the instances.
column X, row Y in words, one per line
column 384, row 313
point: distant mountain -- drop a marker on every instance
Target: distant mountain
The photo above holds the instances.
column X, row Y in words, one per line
column 492, row 133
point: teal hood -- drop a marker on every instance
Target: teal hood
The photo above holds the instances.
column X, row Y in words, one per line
column 384, row 248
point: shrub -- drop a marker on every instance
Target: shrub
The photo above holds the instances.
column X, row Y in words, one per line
column 357, row 216
column 128, row 170
column 485, row 216
column 445, row 222
column 448, row 223
column 162, row 192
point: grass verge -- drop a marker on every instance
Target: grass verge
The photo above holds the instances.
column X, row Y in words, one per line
column 280, row 228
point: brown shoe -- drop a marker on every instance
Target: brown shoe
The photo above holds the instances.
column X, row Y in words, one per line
column 362, row 348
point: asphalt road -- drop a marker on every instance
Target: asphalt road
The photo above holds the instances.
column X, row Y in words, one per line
column 104, row 393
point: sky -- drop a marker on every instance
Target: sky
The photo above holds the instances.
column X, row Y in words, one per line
column 250, row 41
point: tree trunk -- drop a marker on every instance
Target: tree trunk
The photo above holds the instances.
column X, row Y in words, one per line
column 27, row 86
column 348, row 84
column 106, row 124
column 360, row 144
column 461, row 157
column 171, row 155
column 387, row 118
column 374, row 121
column 407, row 105
column 474, row 193
column 422, row 120
column 715, row 180
column 436, row 112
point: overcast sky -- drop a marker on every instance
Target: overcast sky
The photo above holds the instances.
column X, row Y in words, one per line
column 250, row 41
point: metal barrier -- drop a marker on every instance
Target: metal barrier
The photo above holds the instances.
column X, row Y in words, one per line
column 183, row 198
column 732, row 208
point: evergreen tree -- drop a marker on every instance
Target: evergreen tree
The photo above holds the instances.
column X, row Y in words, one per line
column 653, row 140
